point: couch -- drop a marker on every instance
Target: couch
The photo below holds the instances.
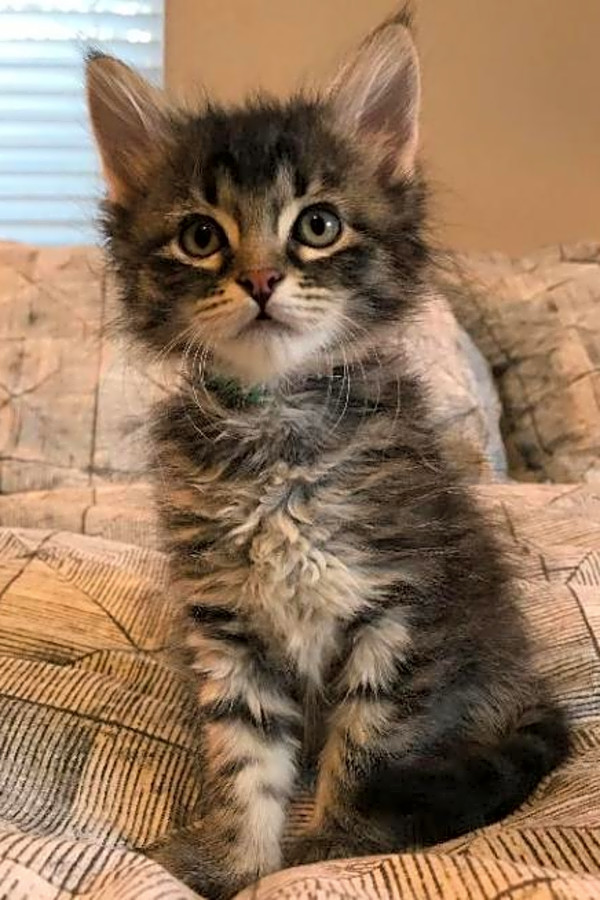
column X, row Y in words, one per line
column 98, row 756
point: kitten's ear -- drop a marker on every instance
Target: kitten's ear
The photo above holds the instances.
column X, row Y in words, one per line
column 376, row 96
column 129, row 122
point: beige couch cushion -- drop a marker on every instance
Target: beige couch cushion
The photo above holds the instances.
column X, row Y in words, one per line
column 537, row 320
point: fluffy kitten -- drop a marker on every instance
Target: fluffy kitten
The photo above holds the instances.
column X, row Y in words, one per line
column 346, row 605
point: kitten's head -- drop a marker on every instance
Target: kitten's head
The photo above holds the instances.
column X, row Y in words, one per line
column 272, row 235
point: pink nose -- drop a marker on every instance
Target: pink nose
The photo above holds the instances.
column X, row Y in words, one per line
column 260, row 284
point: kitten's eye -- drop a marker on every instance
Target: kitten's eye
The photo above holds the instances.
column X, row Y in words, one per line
column 317, row 226
column 201, row 237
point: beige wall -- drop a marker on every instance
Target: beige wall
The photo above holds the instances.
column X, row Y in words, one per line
column 511, row 119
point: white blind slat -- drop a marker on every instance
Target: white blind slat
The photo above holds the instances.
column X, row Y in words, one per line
column 31, row 53
column 60, row 185
column 43, row 134
column 42, row 108
column 42, row 80
column 49, row 181
column 139, row 29
column 89, row 7
column 47, row 161
column 43, row 209
column 52, row 233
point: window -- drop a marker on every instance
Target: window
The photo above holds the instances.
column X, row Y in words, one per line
column 48, row 167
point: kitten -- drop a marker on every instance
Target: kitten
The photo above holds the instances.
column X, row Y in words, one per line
column 345, row 603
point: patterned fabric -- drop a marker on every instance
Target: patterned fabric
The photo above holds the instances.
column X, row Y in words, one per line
column 71, row 409
column 537, row 320
column 74, row 405
column 97, row 742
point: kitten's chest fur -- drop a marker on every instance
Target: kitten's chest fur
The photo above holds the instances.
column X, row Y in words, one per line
column 273, row 537
column 296, row 583
column 272, row 553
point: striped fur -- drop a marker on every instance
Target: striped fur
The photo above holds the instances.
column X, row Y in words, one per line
column 365, row 577
column 344, row 603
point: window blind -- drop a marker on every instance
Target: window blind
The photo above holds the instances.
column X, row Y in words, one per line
column 49, row 174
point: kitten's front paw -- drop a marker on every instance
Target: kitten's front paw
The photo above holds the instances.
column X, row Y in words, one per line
column 318, row 846
column 186, row 857
column 348, row 836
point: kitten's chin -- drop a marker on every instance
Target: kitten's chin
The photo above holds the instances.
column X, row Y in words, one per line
column 265, row 353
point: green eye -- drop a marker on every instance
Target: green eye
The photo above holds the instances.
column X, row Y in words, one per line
column 317, row 226
column 201, row 237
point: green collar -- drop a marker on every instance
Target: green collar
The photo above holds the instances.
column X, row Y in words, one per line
column 233, row 395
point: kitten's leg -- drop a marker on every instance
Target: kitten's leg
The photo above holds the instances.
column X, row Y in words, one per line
column 397, row 773
column 365, row 714
column 249, row 751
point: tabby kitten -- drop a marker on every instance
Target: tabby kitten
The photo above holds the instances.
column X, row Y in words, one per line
column 345, row 604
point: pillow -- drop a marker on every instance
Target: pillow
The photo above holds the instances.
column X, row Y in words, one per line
column 537, row 320
column 464, row 400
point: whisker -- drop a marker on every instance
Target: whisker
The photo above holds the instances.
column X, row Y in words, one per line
column 312, row 306
column 191, row 381
column 216, row 406
column 216, row 305
column 347, row 382
column 205, row 318
column 370, row 347
column 161, row 354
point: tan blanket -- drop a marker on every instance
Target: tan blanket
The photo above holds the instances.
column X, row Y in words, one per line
column 97, row 743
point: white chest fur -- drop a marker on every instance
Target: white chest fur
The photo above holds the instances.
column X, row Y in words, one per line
column 278, row 564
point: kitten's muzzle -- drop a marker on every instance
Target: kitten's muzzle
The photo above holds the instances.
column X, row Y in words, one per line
column 260, row 284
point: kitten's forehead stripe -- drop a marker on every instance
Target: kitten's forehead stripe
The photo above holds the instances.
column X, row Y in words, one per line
column 209, row 184
column 251, row 146
column 300, row 183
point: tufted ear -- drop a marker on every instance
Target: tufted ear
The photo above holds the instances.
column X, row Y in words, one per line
column 376, row 97
column 129, row 122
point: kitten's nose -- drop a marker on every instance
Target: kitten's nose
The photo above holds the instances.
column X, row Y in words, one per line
column 260, row 284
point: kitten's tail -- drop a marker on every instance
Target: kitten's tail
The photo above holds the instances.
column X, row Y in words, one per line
column 446, row 795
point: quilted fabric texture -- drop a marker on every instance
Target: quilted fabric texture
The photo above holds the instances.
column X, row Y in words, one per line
column 97, row 740
column 71, row 407
column 73, row 403
column 537, row 321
